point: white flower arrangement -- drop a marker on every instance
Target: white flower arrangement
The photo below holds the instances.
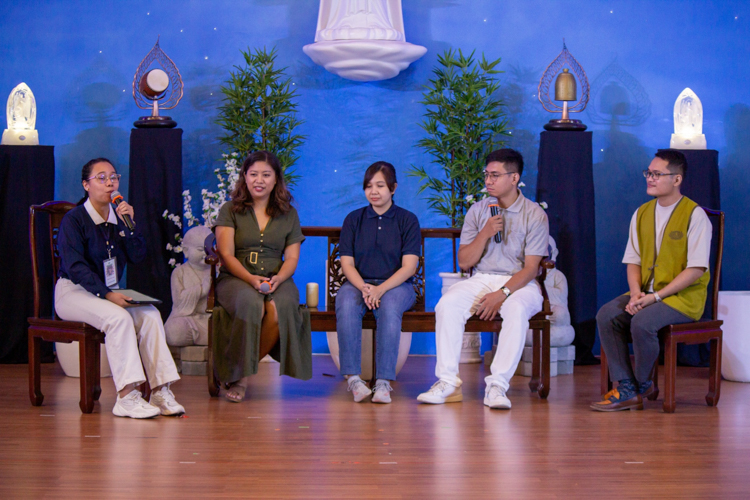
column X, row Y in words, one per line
column 212, row 202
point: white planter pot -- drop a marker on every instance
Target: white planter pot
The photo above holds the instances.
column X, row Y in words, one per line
column 403, row 351
column 67, row 354
column 472, row 341
column 734, row 310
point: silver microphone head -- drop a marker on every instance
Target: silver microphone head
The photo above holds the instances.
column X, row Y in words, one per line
column 115, row 195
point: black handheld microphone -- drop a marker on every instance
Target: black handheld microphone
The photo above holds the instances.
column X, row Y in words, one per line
column 494, row 210
column 117, row 199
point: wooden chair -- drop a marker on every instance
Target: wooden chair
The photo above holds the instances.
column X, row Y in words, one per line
column 47, row 326
column 700, row 332
column 418, row 319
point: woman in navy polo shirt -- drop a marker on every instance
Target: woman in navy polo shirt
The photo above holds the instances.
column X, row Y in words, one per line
column 379, row 248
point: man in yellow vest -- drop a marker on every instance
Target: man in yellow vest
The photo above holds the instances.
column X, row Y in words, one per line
column 667, row 265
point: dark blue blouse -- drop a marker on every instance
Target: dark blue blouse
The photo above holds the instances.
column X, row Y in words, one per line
column 83, row 249
column 378, row 242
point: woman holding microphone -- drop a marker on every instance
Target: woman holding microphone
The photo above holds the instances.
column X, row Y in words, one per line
column 94, row 245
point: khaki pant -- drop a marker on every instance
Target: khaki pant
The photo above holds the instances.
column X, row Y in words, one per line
column 134, row 336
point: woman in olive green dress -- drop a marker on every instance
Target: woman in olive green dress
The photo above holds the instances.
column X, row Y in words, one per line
column 258, row 238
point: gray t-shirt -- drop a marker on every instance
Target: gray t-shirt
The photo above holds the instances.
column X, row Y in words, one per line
column 525, row 232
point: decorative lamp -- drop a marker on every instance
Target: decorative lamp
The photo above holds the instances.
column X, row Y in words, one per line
column 154, row 84
column 564, row 70
column 21, row 115
column 362, row 40
column 688, row 122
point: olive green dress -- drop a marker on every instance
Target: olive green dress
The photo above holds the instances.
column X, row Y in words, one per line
column 238, row 315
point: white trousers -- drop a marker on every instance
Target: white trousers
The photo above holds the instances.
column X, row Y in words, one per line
column 134, row 335
column 456, row 307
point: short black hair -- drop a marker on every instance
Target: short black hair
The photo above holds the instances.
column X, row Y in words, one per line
column 511, row 158
column 676, row 161
column 389, row 173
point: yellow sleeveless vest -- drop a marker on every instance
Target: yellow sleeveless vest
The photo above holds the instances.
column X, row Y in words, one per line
column 672, row 258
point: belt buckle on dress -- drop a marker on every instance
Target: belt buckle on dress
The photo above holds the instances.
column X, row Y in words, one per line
column 253, row 257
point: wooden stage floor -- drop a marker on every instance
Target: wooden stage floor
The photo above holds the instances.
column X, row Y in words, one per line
column 295, row 439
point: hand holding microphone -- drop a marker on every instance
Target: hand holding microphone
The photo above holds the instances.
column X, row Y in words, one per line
column 126, row 217
column 496, row 221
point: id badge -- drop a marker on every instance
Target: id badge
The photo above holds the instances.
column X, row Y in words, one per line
column 110, row 273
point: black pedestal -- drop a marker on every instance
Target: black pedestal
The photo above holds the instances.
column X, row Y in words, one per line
column 27, row 177
column 155, row 185
column 566, row 183
column 701, row 183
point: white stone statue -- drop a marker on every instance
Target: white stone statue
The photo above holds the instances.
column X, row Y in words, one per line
column 359, row 20
column 362, row 40
column 561, row 331
column 688, row 122
column 188, row 322
column 20, row 113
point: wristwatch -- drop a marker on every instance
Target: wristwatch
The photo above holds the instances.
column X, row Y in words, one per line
column 506, row 291
column 656, row 296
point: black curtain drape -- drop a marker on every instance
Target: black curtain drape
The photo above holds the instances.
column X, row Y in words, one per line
column 566, row 183
column 155, row 185
column 27, row 177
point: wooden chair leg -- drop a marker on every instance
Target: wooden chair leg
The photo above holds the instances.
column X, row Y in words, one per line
column 714, row 378
column 214, row 385
column 35, row 383
column 536, row 350
column 655, row 380
column 605, row 382
column 97, row 361
column 545, row 369
column 87, row 350
column 670, row 373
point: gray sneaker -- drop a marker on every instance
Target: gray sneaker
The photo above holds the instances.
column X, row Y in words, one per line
column 165, row 401
column 382, row 392
column 359, row 389
column 134, row 406
column 441, row 392
column 494, row 397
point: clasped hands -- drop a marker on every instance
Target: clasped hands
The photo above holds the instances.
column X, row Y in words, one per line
column 638, row 301
column 372, row 295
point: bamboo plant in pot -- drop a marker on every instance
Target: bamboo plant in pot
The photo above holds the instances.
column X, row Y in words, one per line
column 464, row 121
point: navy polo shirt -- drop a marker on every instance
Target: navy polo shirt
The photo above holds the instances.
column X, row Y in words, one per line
column 377, row 242
column 82, row 243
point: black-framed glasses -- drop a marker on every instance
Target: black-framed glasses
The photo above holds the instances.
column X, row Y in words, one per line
column 648, row 174
column 102, row 178
column 495, row 175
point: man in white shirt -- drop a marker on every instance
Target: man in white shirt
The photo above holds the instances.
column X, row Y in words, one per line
column 505, row 251
column 667, row 259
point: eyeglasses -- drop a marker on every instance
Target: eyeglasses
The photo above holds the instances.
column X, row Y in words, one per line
column 648, row 174
column 113, row 178
column 495, row 175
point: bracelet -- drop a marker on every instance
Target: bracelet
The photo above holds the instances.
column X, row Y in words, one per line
column 656, row 296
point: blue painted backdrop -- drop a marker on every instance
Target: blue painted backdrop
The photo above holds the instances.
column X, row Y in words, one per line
column 79, row 59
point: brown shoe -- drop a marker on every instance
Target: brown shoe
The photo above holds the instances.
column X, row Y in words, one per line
column 615, row 403
column 644, row 395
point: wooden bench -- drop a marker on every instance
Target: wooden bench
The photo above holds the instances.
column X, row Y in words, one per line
column 418, row 319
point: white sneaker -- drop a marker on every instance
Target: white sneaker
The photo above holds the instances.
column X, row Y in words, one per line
column 441, row 392
column 494, row 397
column 359, row 389
column 165, row 401
column 134, row 406
column 382, row 392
